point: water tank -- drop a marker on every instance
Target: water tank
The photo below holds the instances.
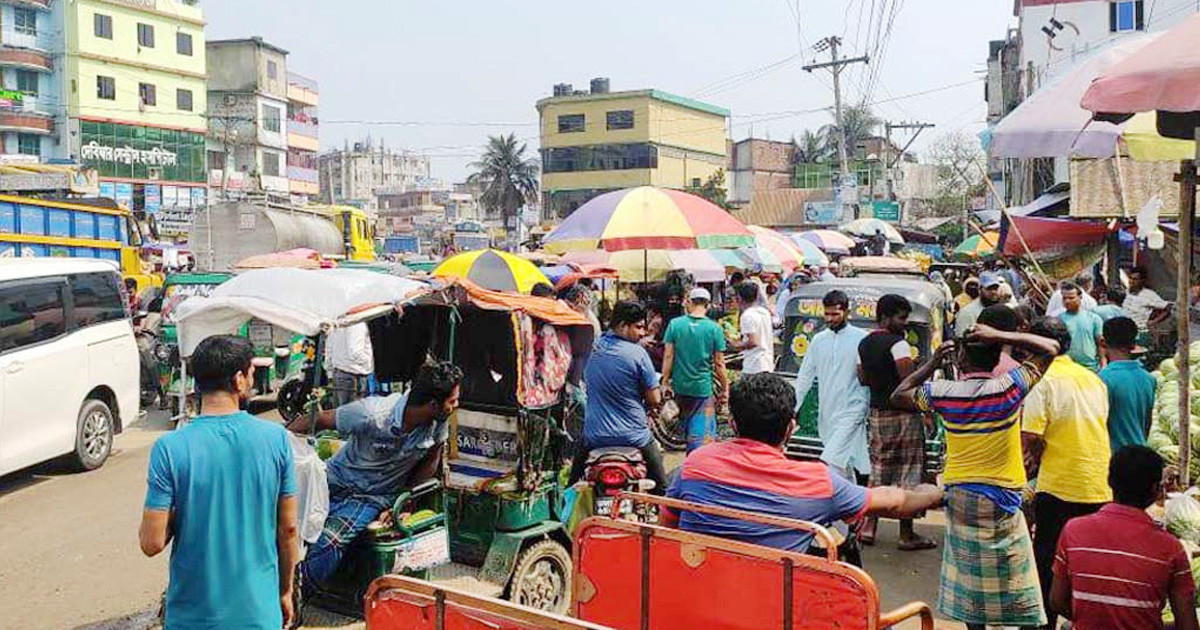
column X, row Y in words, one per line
column 561, row 89
column 600, row 85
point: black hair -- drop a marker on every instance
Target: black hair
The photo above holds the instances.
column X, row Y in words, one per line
column 1000, row 317
column 1120, row 333
column 1053, row 328
column 1067, row 285
column 1140, row 271
column 1116, row 294
column 627, row 312
column 762, row 406
column 542, row 289
column 586, row 282
column 891, row 305
column 217, row 360
column 571, row 293
column 736, row 278
column 1025, row 315
column 434, row 383
column 836, row 297
column 1133, row 473
column 747, row 292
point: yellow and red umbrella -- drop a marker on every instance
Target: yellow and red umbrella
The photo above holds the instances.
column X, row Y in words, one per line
column 979, row 245
column 493, row 269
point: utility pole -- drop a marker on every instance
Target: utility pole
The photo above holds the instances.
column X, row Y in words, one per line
column 889, row 164
column 835, row 67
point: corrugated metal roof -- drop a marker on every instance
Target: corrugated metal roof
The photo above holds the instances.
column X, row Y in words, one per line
column 783, row 207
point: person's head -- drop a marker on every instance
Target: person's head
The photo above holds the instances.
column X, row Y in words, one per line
column 1120, row 337
column 1072, row 296
column 1084, row 281
column 435, row 389
column 971, row 287
column 983, row 357
column 628, row 320
column 1053, row 328
column 1000, row 317
column 654, row 319
column 1137, row 278
column 837, row 308
column 892, row 313
column 542, row 289
column 1115, row 295
column 989, row 288
column 1025, row 317
column 1135, row 475
column 586, row 283
column 221, row 364
column 763, row 407
column 737, row 278
column 699, row 299
column 747, row 295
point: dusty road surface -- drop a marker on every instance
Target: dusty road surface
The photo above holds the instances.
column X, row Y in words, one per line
column 69, row 556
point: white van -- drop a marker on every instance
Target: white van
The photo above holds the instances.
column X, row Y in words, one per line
column 68, row 361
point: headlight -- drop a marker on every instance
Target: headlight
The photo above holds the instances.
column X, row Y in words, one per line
column 162, row 352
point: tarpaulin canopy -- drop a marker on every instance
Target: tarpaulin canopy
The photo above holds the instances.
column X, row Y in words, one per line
column 1047, row 238
column 302, row 301
column 1163, row 75
column 548, row 309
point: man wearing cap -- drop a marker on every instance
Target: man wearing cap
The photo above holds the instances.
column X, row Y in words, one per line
column 694, row 347
column 991, row 286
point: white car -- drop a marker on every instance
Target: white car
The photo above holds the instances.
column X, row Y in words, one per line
column 69, row 364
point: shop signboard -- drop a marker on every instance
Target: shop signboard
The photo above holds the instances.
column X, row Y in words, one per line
column 886, row 211
column 198, row 197
column 153, row 198
column 108, row 190
column 822, row 213
column 170, row 196
column 124, row 196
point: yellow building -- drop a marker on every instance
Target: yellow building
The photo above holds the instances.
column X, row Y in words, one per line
column 136, row 101
column 597, row 141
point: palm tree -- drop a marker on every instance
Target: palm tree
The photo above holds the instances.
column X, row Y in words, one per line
column 508, row 178
column 812, row 147
column 859, row 123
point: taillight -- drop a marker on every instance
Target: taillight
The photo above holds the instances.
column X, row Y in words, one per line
column 612, row 477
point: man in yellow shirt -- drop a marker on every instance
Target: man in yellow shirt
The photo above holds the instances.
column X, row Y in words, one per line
column 1065, row 433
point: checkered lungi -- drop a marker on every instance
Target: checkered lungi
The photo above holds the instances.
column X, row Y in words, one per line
column 897, row 440
column 699, row 418
column 989, row 576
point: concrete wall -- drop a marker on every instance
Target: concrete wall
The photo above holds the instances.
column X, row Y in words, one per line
column 678, row 126
column 594, row 111
column 233, row 66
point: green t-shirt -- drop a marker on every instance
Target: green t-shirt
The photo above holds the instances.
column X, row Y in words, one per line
column 696, row 339
column 1085, row 327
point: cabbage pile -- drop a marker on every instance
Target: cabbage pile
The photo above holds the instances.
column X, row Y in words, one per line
column 1164, row 428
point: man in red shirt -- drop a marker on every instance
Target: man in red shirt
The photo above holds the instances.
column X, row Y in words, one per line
column 1115, row 569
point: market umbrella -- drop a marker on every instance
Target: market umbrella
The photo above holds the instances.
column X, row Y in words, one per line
column 647, row 218
column 813, row 256
column 651, row 265
column 779, row 247
column 829, row 241
column 492, row 269
column 979, row 245
column 870, row 227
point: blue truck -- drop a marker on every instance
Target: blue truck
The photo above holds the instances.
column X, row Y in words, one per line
column 405, row 244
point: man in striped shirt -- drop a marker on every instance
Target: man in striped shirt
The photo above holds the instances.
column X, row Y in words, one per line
column 1115, row 569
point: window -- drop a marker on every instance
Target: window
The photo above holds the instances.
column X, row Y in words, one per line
column 97, row 298
column 103, row 26
column 31, row 312
column 272, row 70
column 270, row 164
column 270, row 118
column 571, row 123
column 620, row 119
column 29, row 144
column 27, row 82
column 25, row 21
column 145, row 35
column 183, row 100
column 106, row 88
column 183, row 44
column 599, row 157
column 1126, row 15
column 148, row 93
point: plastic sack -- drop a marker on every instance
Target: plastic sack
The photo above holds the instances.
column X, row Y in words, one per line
column 312, row 488
column 1182, row 513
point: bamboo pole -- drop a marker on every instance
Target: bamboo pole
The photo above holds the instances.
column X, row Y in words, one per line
column 1187, row 210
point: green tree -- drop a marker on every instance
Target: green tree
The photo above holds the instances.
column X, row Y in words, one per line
column 508, row 178
column 713, row 189
column 859, row 124
column 812, row 147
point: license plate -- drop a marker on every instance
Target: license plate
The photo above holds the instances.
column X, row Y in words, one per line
column 423, row 551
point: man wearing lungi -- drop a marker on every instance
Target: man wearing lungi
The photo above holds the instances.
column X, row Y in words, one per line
column 989, row 576
column 896, row 436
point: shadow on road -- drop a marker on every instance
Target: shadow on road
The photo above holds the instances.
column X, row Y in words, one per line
column 146, row 620
column 28, row 477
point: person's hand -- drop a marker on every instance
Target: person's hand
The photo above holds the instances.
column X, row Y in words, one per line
column 289, row 609
column 982, row 333
column 945, row 350
column 931, row 491
column 667, row 391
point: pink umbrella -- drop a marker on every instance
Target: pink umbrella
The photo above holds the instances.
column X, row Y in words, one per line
column 1163, row 75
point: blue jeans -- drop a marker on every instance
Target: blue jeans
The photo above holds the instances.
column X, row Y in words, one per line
column 348, row 517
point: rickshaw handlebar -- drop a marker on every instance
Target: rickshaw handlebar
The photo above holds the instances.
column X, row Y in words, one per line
column 819, row 532
column 907, row 611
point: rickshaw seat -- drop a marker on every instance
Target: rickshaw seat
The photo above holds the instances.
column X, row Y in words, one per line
column 395, row 602
column 634, row 576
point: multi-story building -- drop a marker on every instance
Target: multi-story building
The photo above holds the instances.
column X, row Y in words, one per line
column 136, row 100
column 399, row 211
column 352, row 175
column 32, row 114
column 596, row 141
column 303, row 143
column 247, row 114
column 757, row 165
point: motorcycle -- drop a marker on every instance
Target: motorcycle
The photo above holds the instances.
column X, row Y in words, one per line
column 614, row 470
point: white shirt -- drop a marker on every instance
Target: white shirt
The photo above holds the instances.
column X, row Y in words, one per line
column 760, row 358
column 781, row 300
column 349, row 350
column 1054, row 307
column 1139, row 306
column 843, row 401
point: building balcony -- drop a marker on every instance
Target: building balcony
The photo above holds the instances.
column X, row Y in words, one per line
column 302, row 90
column 301, row 174
column 26, row 122
column 303, row 143
column 26, row 59
column 33, row 4
column 302, row 128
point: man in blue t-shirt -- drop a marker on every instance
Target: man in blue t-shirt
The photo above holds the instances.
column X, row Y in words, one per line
column 621, row 381
column 1130, row 386
column 221, row 491
column 392, row 443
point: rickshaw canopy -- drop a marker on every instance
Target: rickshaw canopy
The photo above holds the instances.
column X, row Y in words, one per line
column 299, row 300
column 924, row 296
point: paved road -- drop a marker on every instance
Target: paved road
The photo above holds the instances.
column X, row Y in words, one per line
column 71, row 558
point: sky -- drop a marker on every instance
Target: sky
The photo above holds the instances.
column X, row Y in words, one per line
column 438, row 77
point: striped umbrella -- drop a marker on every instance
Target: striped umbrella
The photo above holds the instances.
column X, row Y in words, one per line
column 650, row 265
column 648, row 218
column 978, row 245
column 492, row 269
column 828, row 241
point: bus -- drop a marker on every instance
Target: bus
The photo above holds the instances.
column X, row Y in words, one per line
column 32, row 227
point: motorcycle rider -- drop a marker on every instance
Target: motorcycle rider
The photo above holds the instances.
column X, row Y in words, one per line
column 621, row 381
column 393, row 442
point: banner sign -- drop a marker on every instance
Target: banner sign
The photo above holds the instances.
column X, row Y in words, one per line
column 822, row 213
column 153, row 198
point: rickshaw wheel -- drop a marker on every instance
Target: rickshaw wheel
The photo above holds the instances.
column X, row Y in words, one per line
column 542, row 578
